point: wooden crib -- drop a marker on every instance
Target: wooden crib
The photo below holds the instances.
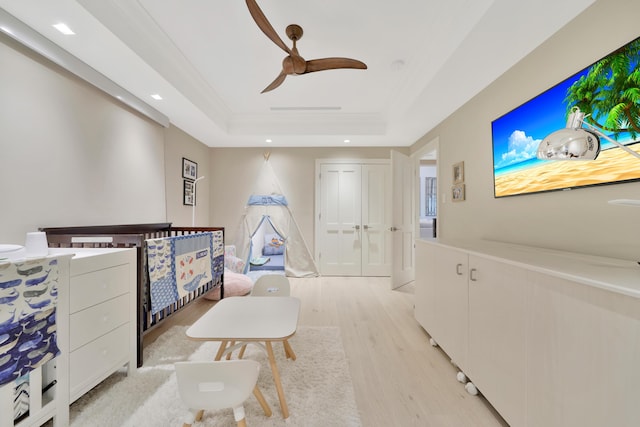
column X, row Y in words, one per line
column 134, row 236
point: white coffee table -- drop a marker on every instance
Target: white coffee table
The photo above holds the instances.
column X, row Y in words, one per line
column 251, row 319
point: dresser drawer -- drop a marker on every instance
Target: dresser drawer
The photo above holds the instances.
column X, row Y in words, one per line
column 97, row 286
column 93, row 362
column 92, row 322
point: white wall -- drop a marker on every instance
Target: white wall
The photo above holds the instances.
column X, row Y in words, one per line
column 235, row 171
column 579, row 220
column 71, row 155
column 178, row 145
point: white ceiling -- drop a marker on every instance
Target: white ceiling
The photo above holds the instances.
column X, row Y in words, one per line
column 209, row 61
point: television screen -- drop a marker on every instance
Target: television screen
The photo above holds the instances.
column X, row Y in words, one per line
column 608, row 91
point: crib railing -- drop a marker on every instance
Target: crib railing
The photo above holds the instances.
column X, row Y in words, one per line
column 134, row 236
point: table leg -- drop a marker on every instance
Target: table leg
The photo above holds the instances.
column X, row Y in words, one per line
column 288, row 350
column 223, row 346
column 276, row 380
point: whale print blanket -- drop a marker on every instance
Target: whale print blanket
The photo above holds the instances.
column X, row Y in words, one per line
column 28, row 298
column 181, row 264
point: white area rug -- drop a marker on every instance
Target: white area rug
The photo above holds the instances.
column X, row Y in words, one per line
column 317, row 386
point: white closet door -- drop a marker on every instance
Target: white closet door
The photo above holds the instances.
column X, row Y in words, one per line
column 340, row 220
column 376, row 214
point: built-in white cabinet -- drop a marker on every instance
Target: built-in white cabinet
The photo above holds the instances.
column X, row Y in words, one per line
column 551, row 338
column 497, row 323
column 441, row 304
column 583, row 367
column 452, row 304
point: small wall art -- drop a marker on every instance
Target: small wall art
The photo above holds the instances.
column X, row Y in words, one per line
column 189, row 197
column 458, row 173
column 189, row 169
column 457, row 192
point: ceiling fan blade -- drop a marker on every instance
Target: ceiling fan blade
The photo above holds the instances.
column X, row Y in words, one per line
column 265, row 26
column 334, row 63
column 277, row 82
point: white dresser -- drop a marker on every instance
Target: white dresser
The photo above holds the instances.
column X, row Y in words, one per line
column 550, row 338
column 102, row 315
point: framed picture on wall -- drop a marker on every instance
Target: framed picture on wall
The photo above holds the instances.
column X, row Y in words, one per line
column 458, row 173
column 189, row 169
column 457, row 193
column 189, row 196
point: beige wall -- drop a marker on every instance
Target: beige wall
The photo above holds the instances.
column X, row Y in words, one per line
column 578, row 220
column 70, row 155
column 235, row 171
column 178, row 145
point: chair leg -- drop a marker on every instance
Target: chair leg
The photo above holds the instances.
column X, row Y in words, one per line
column 194, row 415
column 230, row 353
column 241, row 354
column 288, row 351
column 238, row 414
column 265, row 406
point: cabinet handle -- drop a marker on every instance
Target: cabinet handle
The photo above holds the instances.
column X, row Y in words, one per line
column 472, row 275
column 458, row 267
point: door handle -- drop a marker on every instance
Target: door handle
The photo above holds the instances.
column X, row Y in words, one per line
column 366, row 227
column 357, row 227
column 393, row 229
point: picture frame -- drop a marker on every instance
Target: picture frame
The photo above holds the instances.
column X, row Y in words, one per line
column 189, row 196
column 457, row 193
column 189, row 169
column 458, row 173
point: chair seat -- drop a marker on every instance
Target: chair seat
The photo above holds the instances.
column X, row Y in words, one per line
column 214, row 385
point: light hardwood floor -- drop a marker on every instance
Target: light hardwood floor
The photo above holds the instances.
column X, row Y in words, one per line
column 399, row 379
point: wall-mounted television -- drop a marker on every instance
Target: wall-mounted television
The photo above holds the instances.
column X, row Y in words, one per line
column 608, row 90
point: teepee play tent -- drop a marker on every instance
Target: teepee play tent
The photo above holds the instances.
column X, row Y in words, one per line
column 268, row 230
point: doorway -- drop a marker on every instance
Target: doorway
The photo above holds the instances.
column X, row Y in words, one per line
column 426, row 160
column 353, row 213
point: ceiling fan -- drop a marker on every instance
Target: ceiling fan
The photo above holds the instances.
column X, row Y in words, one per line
column 293, row 63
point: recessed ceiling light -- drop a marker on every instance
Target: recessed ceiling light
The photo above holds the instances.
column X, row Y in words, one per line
column 156, row 97
column 346, row 141
column 64, row 29
column 268, row 141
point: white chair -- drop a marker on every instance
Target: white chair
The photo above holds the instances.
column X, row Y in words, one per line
column 271, row 285
column 218, row 385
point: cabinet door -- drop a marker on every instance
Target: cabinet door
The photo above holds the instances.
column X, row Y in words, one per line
column 584, row 353
column 425, row 303
column 451, row 304
column 497, row 342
